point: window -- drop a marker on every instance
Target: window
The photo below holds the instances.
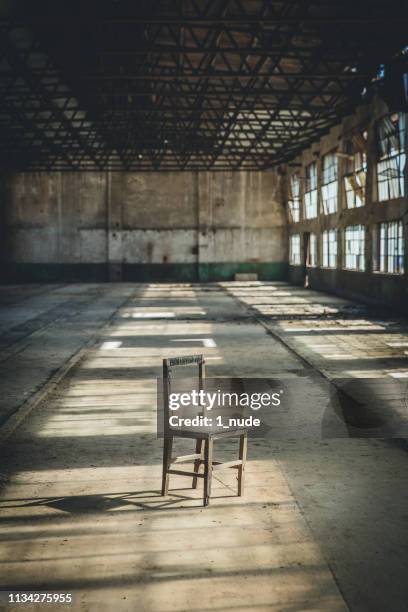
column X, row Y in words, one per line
column 329, row 183
column 354, row 240
column 329, row 243
column 294, row 255
column 311, row 191
column 391, row 157
column 294, row 198
column 389, row 245
column 356, row 170
column 312, row 251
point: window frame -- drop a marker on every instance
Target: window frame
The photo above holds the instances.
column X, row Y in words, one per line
column 310, row 196
column 295, row 237
column 330, row 255
column 330, row 184
column 312, row 255
column 357, row 174
column 358, row 258
column 392, row 160
column 382, row 249
column 294, row 201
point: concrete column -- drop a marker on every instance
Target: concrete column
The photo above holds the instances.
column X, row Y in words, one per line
column 3, row 224
column 69, row 212
column 371, row 194
column 203, row 179
column 115, row 195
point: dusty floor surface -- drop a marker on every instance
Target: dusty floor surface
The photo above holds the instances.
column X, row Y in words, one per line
column 323, row 522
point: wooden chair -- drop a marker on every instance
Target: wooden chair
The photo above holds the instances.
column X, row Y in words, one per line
column 204, row 438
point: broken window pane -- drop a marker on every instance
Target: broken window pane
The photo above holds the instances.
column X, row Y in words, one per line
column 356, row 170
column 294, row 198
column 329, row 183
column 391, row 157
column 311, row 191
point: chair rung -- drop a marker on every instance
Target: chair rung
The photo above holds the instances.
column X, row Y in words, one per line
column 183, row 473
column 183, row 458
column 218, row 465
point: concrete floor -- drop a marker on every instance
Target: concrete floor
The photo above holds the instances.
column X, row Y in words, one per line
column 323, row 522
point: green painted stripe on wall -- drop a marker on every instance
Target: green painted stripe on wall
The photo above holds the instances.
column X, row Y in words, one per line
column 52, row 273
column 178, row 272
column 225, row 271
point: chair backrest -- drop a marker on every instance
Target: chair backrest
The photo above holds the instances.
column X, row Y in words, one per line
column 176, row 363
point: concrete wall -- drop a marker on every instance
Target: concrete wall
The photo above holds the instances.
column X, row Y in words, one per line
column 2, row 222
column 370, row 286
column 185, row 225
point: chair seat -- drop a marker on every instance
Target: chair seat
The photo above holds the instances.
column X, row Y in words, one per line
column 204, row 433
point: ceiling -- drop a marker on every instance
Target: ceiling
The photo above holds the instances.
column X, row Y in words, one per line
column 183, row 84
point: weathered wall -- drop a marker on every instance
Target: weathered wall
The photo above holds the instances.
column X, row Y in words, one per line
column 241, row 219
column 186, row 225
column 387, row 289
column 2, row 222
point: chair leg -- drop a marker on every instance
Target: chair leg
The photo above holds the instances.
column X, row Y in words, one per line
column 208, row 459
column 243, row 443
column 167, row 448
column 197, row 462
